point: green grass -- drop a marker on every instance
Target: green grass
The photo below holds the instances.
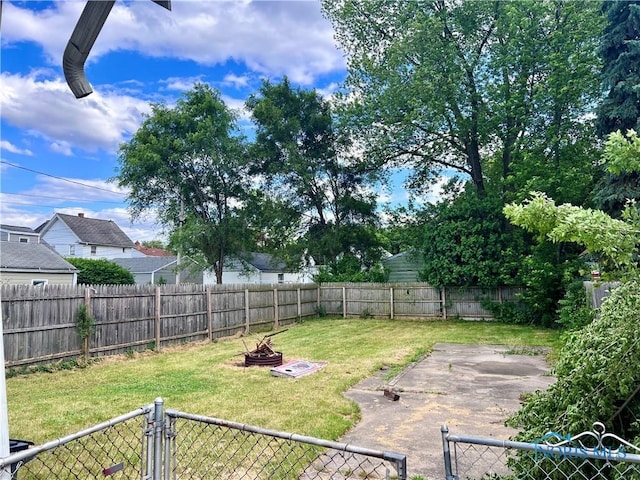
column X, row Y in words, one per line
column 209, row 379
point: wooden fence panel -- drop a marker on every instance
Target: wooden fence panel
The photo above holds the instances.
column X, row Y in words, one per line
column 228, row 310
column 372, row 301
column 331, row 299
column 124, row 318
column 39, row 322
column 415, row 300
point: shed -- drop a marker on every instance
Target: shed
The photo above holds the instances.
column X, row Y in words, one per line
column 404, row 266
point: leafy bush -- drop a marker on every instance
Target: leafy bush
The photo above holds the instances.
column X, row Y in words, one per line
column 101, row 272
column 349, row 268
column 574, row 311
column 598, row 372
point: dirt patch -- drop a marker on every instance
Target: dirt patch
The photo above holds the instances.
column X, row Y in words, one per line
column 472, row 389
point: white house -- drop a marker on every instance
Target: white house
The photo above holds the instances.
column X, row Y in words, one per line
column 79, row 236
column 259, row 268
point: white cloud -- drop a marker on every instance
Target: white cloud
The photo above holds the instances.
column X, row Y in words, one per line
column 270, row 37
column 9, row 147
column 180, row 84
column 45, row 107
column 235, row 80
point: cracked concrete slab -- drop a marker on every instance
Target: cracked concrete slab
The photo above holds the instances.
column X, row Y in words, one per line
column 472, row 389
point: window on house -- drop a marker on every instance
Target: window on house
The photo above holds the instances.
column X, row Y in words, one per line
column 94, row 249
column 281, row 278
column 23, row 240
column 39, row 282
column 72, row 250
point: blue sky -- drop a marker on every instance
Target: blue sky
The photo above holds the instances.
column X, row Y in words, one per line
column 58, row 152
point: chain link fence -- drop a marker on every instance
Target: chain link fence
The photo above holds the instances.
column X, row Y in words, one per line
column 595, row 455
column 153, row 444
column 121, row 445
column 209, row 448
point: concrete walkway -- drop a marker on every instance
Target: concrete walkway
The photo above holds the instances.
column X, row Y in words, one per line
column 470, row 388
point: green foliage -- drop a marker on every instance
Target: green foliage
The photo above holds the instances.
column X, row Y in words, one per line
column 454, row 85
column 574, row 310
column 349, row 268
column 85, row 323
column 622, row 152
column 466, row 241
column 100, row 272
column 620, row 110
column 593, row 229
column 311, row 177
column 597, row 371
column 188, row 163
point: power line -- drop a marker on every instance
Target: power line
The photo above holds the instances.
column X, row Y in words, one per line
column 58, row 198
column 59, row 178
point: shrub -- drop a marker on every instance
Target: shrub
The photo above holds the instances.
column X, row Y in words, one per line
column 598, row 372
column 101, row 272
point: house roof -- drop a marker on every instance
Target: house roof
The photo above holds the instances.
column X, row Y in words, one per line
column 17, row 229
column 146, row 264
column 264, row 262
column 91, row 231
column 32, row 257
column 153, row 252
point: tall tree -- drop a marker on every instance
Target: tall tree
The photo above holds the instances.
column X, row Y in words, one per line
column 305, row 164
column 620, row 110
column 451, row 85
column 620, row 51
column 189, row 164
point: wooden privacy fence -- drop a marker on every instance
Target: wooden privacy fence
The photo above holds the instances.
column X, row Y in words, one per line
column 40, row 322
column 412, row 300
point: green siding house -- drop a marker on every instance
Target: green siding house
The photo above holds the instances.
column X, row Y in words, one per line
column 404, row 266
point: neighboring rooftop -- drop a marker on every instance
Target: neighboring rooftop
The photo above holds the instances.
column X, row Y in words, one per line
column 92, row 231
column 264, row 262
column 17, row 229
column 31, row 256
column 145, row 264
column 153, row 252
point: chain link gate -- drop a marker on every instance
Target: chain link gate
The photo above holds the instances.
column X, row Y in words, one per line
column 153, row 444
column 594, row 455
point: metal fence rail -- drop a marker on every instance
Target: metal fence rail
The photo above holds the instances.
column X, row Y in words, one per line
column 122, row 445
column 209, row 448
column 595, row 455
column 152, row 444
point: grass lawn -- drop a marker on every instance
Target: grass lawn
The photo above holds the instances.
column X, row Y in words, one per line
column 209, row 379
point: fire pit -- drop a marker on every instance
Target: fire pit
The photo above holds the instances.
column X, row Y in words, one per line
column 263, row 355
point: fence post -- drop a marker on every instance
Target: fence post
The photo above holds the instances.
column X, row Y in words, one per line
column 87, row 305
column 209, row 315
column 448, row 473
column 391, row 303
column 299, row 304
column 158, row 430
column 443, row 297
column 247, row 323
column 157, row 325
column 344, row 302
column 276, row 310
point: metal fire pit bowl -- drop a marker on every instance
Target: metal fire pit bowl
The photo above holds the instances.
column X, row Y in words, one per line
column 257, row 360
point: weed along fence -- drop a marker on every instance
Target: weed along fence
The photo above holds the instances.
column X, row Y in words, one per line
column 412, row 300
column 40, row 322
column 43, row 324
